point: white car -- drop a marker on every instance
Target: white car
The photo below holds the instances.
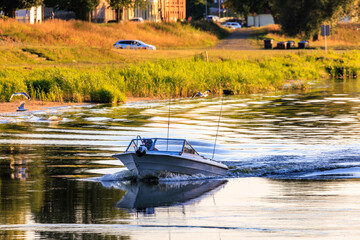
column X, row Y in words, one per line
column 232, row 25
column 213, row 18
column 137, row 19
column 133, row 44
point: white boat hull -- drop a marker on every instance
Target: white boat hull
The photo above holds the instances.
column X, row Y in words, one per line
column 154, row 164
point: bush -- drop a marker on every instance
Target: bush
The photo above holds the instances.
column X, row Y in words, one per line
column 104, row 95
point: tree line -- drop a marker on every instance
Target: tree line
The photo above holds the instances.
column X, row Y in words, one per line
column 296, row 17
column 82, row 8
column 299, row 17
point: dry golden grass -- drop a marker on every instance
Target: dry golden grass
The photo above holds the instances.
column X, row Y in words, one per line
column 77, row 33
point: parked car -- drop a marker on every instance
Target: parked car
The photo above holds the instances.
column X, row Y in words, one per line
column 213, row 18
column 137, row 19
column 232, row 25
column 133, row 44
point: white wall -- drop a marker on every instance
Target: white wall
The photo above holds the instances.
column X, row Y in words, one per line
column 260, row 20
column 32, row 15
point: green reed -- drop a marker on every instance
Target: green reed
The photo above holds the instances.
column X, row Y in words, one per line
column 175, row 78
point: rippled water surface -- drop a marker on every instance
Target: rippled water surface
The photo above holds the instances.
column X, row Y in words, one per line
column 294, row 162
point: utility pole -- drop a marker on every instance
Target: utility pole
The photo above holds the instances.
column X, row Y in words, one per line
column 325, row 31
column 206, row 13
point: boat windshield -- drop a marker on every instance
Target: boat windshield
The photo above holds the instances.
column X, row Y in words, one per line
column 162, row 144
column 169, row 145
column 135, row 143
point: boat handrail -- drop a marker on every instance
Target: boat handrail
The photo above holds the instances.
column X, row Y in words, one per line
column 138, row 137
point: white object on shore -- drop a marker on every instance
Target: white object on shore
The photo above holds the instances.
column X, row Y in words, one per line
column 200, row 94
column 21, row 108
column 20, row 93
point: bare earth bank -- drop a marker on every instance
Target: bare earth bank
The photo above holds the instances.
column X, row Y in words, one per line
column 11, row 107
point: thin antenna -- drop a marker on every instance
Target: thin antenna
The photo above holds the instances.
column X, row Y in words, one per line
column 217, row 130
column 168, row 130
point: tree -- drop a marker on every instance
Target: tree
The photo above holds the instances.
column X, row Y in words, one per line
column 118, row 5
column 249, row 7
column 196, row 8
column 305, row 16
column 82, row 8
column 10, row 6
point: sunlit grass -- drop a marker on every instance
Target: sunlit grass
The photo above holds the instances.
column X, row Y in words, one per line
column 84, row 34
column 179, row 77
column 74, row 61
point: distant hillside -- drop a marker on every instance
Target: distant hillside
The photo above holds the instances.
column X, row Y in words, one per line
column 84, row 34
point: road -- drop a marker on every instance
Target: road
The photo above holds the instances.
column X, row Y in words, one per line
column 238, row 40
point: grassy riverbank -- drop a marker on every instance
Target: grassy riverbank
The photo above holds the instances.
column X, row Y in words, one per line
column 74, row 61
column 89, row 35
column 175, row 78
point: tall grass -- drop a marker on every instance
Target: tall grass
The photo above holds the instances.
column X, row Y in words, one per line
column 165, row 77
column 182, row 78
column 84, row 34
column 343, row 66
column 176, row 78
column 63, row 84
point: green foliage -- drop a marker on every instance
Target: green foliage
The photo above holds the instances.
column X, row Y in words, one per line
column 211, row 27
column 344, row 66
column 63, row 84
column 181, row 78
column 175, row 78
column 299, row 17
column 107, row 95
column 10, row 6
column 11, row 81
column 118, row 4
column 305, row 17
column 81, row 8
column 196, row 9
column 249, row 7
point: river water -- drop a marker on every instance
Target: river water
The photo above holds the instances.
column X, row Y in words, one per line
column 294, row 159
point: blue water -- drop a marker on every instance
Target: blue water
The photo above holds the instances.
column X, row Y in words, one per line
column 293, row 158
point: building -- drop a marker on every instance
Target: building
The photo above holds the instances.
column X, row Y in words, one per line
column 103, row 13
column 260, row 20
column 32, row 15
column 172, row 10
column 155, row 10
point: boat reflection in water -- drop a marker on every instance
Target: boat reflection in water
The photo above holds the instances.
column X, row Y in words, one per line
column 145, row 196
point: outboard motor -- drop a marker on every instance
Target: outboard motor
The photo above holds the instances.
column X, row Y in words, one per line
column 140, row 151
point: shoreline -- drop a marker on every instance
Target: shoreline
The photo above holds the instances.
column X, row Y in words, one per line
column 11, row 107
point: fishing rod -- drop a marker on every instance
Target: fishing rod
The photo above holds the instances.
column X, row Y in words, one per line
column 168, row 130
column 218, row 126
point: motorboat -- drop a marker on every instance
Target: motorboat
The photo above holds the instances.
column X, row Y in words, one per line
column 146, row 157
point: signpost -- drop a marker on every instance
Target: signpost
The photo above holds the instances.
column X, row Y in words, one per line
column 325, row 31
